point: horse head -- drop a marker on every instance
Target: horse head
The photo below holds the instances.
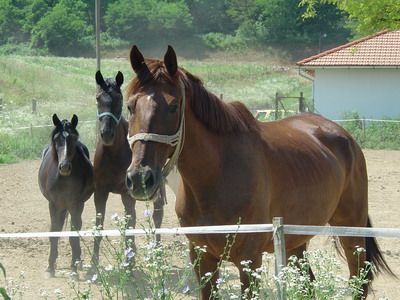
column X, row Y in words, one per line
column 109, row 105
column 63, row 140
column 156, row 119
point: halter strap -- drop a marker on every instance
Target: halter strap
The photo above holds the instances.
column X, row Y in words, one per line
column 176, row 139
column 107, row 113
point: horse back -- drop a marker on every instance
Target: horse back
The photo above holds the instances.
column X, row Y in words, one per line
column 311, row 162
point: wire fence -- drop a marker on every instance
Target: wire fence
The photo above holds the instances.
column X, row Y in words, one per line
column 27, row 142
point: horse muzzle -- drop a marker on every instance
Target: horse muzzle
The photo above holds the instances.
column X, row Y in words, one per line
column 142, row 183
column 65, row 168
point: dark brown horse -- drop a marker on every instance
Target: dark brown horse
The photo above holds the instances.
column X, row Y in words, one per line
column 113, row 157
column 66, row 180
column 234, row 168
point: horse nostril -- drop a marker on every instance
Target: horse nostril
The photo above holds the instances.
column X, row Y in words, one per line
column 148, row 179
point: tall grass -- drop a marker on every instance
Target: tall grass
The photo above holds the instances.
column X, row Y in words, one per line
column 66, row 86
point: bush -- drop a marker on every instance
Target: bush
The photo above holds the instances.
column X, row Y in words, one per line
column 23, row 49
column 110, row 42
column 217, row 40
column 373, row 134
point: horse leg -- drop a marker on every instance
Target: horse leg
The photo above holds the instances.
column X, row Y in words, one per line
column 250, row 285
column 299, row 253
column 57, row 218
column 130, row 213
column 207, row 273
column 76, row 224
column 352, row 210
column 158, row 213
column 100, row 199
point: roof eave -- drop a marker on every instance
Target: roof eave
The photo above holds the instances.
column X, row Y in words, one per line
column 313, row 67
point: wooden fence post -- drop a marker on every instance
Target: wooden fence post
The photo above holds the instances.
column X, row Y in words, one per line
column 363, row 129
column 276, row 105
column 280, row 254
column 302, row 107
column 34, row 106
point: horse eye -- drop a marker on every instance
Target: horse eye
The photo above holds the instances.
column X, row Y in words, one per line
column 173, row 108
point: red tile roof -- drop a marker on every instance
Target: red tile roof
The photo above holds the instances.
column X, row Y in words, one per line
column 381, row 49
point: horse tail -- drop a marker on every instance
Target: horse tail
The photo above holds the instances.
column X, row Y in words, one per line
column 374, row 256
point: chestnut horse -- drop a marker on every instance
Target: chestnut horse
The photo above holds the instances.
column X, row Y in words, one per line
column 234, row 168
column 113, row 157
column 66, row 180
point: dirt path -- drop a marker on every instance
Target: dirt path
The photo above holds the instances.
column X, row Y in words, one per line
column 23, row 209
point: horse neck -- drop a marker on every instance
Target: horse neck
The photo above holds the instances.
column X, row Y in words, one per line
column 201, row 150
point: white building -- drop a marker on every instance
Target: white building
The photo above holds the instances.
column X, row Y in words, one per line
column 362, row 76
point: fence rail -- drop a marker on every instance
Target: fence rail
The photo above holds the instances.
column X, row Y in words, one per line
column 277, row 228
column 221, row 229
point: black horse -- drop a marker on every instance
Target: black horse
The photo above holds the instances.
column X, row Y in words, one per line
column 113, row 157
column 66, row 180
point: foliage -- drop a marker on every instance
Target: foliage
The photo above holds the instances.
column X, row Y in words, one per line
column 21, row 49
column 3, row 291
column 136, row 20
column 373, row 134
column 153, row 275
column 12, row 16
column 280, row 21
column 211, row 16
column 217, row 40
column 365, row 16
column 63, row 28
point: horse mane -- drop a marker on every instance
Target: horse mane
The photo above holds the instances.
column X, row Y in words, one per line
column 218, row 116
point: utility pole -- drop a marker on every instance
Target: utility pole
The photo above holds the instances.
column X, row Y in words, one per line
column 97, row 8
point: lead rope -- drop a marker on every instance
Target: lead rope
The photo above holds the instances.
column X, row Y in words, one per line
column 177, row 140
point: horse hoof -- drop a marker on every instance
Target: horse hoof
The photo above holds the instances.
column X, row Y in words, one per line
column 77, row 265
column 49, row 274
column 74, row 275
column 91, row 274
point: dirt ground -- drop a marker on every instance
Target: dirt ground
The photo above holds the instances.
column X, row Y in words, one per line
column 24, row 209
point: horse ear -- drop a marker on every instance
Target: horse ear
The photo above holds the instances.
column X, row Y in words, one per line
column 170, row 61
column 56, row 120
column 74, row 121
column 119, row 78
column 137, row 59
column 100, row 80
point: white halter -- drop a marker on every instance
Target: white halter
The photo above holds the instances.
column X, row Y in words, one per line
column 176, row 139
column 107, row 113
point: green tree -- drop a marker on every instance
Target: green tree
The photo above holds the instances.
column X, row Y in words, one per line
column 210, row 16
column 12, row 16
column 64, row 29
column 148, row 20
column 365, row 16
column 280, row 22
